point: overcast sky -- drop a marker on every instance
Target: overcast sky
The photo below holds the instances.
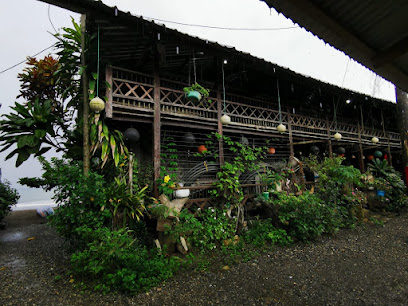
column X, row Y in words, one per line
column 26, row 26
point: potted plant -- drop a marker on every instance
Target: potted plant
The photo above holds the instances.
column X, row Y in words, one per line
column 382, row 186
column 195, row 93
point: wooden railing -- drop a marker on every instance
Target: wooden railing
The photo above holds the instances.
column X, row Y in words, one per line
column 131, row 94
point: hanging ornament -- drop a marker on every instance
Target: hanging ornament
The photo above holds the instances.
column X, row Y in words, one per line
column 386, row 156
column 314, row 149
column 375, row 139
column 131, row 135
column 281, row 128
column 337, row 136
column 353, row 156
column 271, row 151
column 370, row 157
column 341, row 150
column 202, row 149
column 189, row 138
column 225, row 119
column 378, row 154
column 243, row 140
column 97, row 105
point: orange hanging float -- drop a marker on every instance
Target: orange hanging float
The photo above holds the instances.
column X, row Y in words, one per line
column 370, row 157
column 271, row 151
column 202, row 149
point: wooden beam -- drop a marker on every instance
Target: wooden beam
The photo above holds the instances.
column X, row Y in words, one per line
column 156, row 126
column 108, row 79
column 391, row 53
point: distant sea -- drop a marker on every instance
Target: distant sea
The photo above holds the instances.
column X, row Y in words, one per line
column 33, row 198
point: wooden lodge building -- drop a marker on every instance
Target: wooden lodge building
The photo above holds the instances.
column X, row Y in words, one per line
column 148, row 65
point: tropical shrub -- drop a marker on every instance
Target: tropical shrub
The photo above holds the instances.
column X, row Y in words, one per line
column 205, row 231
column 261, row 231
column 8, row 198
column 116, row 260
column 306, row 216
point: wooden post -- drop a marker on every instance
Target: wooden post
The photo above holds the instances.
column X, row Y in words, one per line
column 219, row 115
column 402, row 118
column 85, row 100
column 361, row 152
column 329, row 138
column 108, row 78
column 291, row 148
column 388, row 139
column 131, row 173
column 156, row 127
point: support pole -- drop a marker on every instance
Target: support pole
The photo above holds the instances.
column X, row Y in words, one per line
column 219, row 115
column 109, row 98
column 388, row 139
column 85, row 118
column 131, row 173
column 329, row 142
column 361, row 152
column 291, row 147
column 402, row 118
column 156, row 127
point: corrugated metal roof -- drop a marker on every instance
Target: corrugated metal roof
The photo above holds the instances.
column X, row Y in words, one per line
column 375, row 33
column 118, row 19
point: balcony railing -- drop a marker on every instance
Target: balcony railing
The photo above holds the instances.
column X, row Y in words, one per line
column 132, row 94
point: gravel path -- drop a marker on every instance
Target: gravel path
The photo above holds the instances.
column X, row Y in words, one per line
column 365, row 266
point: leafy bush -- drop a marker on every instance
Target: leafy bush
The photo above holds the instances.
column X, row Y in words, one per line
column 212, row 226
column 307, row 216
column 8, row 198
column 115, row 260
column 81, row 199
column 261, row 231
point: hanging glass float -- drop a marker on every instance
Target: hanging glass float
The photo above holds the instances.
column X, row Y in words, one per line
column 243, row 140
column 202, row 149
column 271, row 151
column 370, row 157
column 314, row 149
column 341, row 150
column 281, row 128
column 189, row 138
column 131, row 135
column 375, row 139
column 386, row 156
column 378, row 154
column 97, row 105
column 225, row 119
column 337, row 136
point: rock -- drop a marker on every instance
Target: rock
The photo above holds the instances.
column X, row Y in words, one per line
column 174, row 207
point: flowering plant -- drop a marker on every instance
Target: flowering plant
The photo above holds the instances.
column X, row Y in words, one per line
column 355, row 197
column 382, row 184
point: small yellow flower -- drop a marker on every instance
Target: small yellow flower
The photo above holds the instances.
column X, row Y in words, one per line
column 121, row 165
column 167, row 179
column 92, row 199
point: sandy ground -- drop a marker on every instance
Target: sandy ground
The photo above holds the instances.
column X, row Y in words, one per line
column 365, row 266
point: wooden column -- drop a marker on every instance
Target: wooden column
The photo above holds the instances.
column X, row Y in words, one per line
column 361, row 152
column 402, row 118
column 85, row 100
column 108, row 78
column 329, row 142
column 291, row 148
column 156, row 127
column 388, row 139
column 219, row 115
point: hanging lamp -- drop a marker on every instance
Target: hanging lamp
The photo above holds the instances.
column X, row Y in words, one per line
column 281, row 127
column 97, row 104
column 375, row 140
column 225, row 119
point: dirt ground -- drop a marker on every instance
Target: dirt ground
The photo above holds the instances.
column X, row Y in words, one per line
column 364, row 266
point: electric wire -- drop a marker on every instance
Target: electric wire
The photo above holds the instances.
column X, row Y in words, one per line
column 23, row 61
column 49, row 18
column 223, row 28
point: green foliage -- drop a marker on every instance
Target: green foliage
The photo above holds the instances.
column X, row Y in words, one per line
column 124, row 203
column 197, row 87
column 81, row 199
column 169, row 168
column 335, row 179
column 306, row 216
column 261, row 231
column 115, row 260
column 205, row 231
column 8, row 198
